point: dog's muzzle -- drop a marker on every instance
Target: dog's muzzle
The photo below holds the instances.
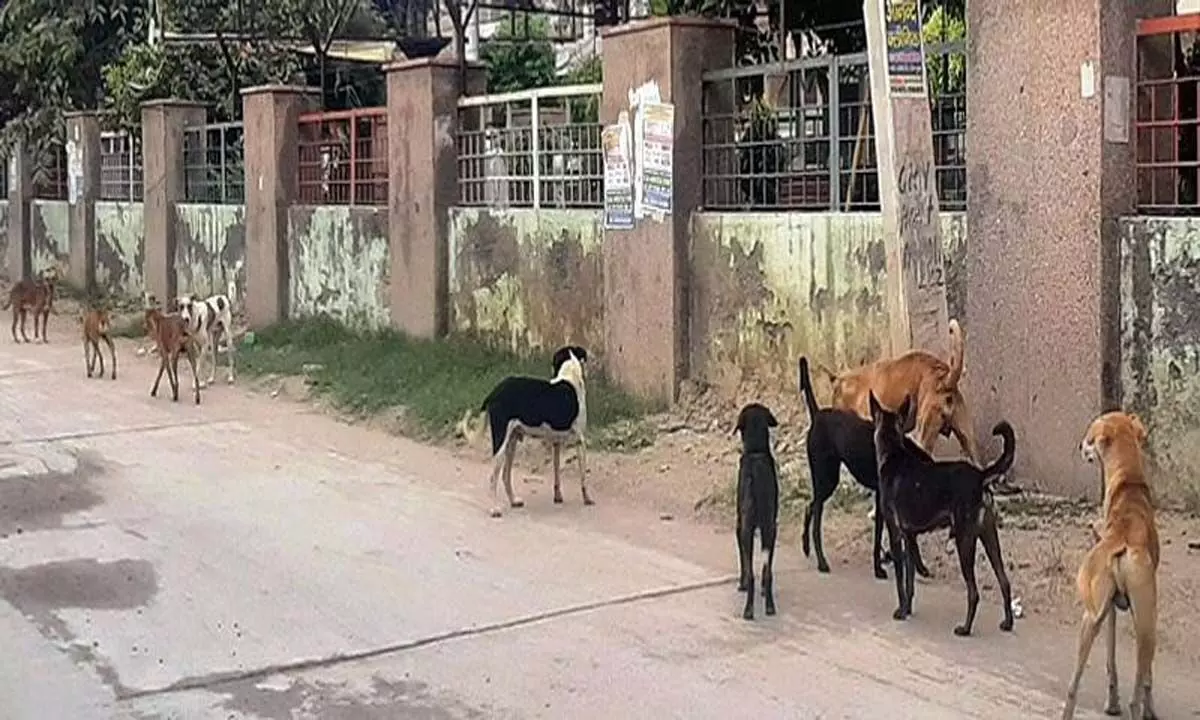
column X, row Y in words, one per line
column 1087, row 451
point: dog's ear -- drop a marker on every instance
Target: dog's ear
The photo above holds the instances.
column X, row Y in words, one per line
column 771, row 421
column 874, row 404
column 741, row 423
column 1139, row 429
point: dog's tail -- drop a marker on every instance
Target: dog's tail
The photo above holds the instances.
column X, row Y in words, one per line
column 957, row 349
column 1004, row 462
column 807, row 389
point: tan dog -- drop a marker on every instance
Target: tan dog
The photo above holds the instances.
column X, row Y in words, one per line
column 96, row 325
column 931, row 383
column 1119, row 572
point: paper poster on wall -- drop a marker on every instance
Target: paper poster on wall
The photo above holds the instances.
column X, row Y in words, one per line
column 905, row 50
column 74, row 171
column 618, row 181
column 658, row 145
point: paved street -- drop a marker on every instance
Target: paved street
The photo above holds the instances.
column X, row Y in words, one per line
column 247, row 559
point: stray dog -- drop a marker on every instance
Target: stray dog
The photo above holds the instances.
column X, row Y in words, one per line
column 930, row 382
column 757, row 502
column 554, row 410
column 171, row 337
column 1120, row 571
column 36, row 295
column 921, row 494
column 209, row 321
column 836, row 438
column 95, row 329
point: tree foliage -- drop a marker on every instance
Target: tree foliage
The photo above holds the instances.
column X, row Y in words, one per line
column 519, row 64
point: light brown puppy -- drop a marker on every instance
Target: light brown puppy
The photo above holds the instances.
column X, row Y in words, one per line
column 95, row 329
column 931, row 382
column 36, row 295
column 172, row 340
column 1120, row 571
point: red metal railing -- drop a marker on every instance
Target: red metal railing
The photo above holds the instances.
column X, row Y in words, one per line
column 343, row 157
column 1168, row 115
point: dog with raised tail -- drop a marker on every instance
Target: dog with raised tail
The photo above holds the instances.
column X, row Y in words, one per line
column 553, row 410
column 209, row 322
column 1120, row 572
column 757, row 503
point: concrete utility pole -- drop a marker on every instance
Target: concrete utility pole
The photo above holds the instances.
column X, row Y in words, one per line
column 916, row 275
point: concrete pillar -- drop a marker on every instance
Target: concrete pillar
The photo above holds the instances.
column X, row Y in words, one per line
column 272, row 152
column 423, row 180
column 163, row 123
column 1047, row 180
column 916, row 268
column 18, row 261
column 83, row 189
column 646, row 269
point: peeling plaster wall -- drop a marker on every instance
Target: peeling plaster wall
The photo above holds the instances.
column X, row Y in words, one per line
column 210, row 250
column 48, row 235
column 527, row 280
column 767, row 288
column 1160, row 344
column 120, row 248
column 338, row 264
column 4, row 229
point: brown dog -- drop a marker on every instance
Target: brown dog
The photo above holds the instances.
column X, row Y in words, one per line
column 931, row 383
column 1119, row 572
column 172, row 340
column 36, row 295
column 95, row 329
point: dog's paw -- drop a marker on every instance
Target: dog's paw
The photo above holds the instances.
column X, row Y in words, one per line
column 823, row 567
column 770, row 608
column 1113, row 709
column 588, row 501
column 495, row 512
column 1006, row 624
column 880, row 573
column 558, row 499
column 899, row 614
column 748, row 613
column 962, row 630
column 517, row 502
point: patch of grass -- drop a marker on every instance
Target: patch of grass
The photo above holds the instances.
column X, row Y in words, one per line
column 436, row 381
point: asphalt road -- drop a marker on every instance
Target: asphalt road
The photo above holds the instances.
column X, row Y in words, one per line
column 248, row 559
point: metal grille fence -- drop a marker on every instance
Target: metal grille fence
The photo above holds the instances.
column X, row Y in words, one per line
column 50, row 174
column 534, row 148
column 801, row 136
column 120, row 167
column 214, row 164
column 1168, row 116
column 343, row 157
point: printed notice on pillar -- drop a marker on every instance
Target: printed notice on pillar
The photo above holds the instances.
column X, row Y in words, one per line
column 905, row 51
column 618, row 181
column 74, row 171
column 658, row 147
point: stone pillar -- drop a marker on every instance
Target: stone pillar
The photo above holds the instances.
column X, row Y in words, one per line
column 18, row 261
column 163, row 123
column 908, row 196
column 646, row 269
column 1047, row 179
column 272, row 184
column 83, row 189
column 423, row 180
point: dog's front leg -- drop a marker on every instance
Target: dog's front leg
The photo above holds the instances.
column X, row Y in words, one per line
column 966, row 562
column 897, row 552
column 746, row 548
column 768, row 574
column 910, row 573
column 556, row 450
column 877, row 548
column 587, row 499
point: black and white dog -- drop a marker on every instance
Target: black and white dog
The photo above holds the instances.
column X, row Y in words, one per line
column 210, row 321
column 757, row 503
column 553, row 410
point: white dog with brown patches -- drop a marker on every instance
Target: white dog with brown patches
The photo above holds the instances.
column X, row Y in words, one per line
column 210, row 321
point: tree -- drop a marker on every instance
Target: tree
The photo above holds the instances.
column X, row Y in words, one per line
column 514, row 64
column 947, row 73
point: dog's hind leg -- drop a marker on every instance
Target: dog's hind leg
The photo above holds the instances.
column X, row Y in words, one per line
column 1113, row 706
column 967, row 540
column 587, row 499
column 824, row 474
column 556, row 452
column 768, row 576
column 510, row 454
column 897, row 552
column 746, row 545
column 910, row 576
column 497, row 467
column 1143, row 594
column 112, row 354
column 877, row 543
column 990, row 536
column 1089, row 627
column 87, row 358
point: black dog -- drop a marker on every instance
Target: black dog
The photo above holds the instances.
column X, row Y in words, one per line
column 920, row 495
column 835, row 438
column 554, row 410
column 757, row 502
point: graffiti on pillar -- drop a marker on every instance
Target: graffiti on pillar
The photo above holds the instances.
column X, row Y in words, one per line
column 74, row 171
column 918, row 217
